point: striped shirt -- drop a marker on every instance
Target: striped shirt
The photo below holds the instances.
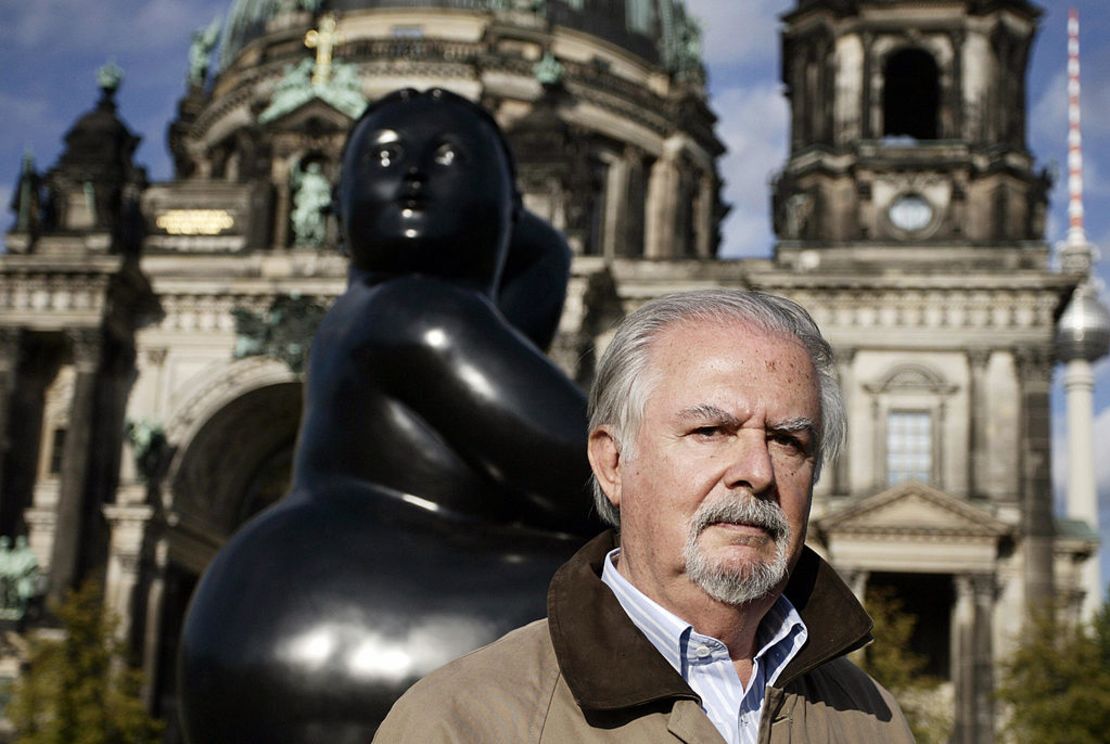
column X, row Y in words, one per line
column 704, row 662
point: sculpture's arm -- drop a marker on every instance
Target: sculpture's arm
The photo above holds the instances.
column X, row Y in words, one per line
column 497, row 400
column 534, row 281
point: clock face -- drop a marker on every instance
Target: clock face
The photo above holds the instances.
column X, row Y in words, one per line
column 910, row 213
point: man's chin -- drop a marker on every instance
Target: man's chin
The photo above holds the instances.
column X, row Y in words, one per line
column 734, row 575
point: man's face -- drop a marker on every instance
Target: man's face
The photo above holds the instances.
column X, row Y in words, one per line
column 722, row 466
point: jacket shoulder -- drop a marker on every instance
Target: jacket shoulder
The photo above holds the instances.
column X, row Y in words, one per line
column 500, row 692
column 839, row 696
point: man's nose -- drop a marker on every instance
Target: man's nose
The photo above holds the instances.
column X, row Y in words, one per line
column 750, row 463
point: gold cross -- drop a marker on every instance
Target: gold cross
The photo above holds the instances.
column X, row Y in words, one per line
column 323, row 41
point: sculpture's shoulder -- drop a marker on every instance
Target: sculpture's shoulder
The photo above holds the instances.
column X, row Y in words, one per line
column 500, row 692
column 406, row 307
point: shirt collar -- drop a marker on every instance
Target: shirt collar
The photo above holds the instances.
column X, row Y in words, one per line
column 592, row 635
column 671, row 635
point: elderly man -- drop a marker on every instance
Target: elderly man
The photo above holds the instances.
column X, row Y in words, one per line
column 708, row 619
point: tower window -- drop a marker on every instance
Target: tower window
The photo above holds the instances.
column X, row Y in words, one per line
column 909, row 447
column 911, row 95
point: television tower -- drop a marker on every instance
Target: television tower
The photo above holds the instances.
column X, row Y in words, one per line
column 1082, row 337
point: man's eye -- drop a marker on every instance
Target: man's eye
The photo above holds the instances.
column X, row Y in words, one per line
column 788, row 443
column 445, row 154
column 708, row 431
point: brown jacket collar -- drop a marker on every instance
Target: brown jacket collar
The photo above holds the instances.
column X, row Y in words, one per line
column 608, row 664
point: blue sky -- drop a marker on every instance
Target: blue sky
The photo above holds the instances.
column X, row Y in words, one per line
column 50, row 50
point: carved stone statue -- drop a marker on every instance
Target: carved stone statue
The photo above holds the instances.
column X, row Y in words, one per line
column 200, row 49
column 19, row 577
column 440, row 474
column 311, row 199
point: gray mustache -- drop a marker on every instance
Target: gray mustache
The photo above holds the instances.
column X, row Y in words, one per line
column 744, row 509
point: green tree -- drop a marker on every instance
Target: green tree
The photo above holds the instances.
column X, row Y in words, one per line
column 74, row 691
column 897, row 668
column 1056, row 684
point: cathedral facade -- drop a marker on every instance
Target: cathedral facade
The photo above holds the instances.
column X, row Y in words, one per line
column 909, row 217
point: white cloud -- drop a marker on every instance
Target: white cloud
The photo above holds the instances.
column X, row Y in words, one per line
column 753, row 125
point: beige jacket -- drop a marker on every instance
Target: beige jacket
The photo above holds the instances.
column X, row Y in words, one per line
column 586, row 674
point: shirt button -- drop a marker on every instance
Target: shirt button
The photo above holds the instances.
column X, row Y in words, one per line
column 703, row 652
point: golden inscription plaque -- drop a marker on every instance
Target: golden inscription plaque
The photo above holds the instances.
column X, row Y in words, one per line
column 195, row 221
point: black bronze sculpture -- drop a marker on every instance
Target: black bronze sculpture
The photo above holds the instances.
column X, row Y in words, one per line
column 440, row 475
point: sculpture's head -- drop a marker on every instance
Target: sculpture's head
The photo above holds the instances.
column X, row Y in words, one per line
column 428, row 187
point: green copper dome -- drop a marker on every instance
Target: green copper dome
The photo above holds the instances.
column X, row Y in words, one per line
column 659, row 31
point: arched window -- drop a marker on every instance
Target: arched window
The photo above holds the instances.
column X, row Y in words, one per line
column 911, row 95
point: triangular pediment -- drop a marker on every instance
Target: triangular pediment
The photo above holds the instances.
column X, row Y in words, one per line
column 315, row 114
column 913, row 508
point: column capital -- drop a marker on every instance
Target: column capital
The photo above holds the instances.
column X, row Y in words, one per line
column 9, row 351
column 1034, row 363
column 985, row 586
column 979, row 358
column 9, row 337
column 87, row 344
column 155, row 355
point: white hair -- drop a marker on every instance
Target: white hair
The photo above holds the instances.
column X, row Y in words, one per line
column 625, row 379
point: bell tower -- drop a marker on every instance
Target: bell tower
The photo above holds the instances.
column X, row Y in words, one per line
column 908, row 137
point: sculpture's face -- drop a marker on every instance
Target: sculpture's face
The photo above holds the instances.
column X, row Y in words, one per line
column 426, row 189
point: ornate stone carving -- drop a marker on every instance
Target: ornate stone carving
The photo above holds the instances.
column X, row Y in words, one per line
column 150, row 448
column 1034, row 363
column 284, row 332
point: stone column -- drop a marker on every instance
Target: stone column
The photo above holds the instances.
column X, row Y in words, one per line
column 1082, row 499
column 661, row 203
column 984, row 589
column 963, row 660
column 856, row 579
column 152, row 636
column 280, row 178
column 69, row 526
column 978, row 411
column 956, row 89
column 1034, row 367
column 9, row 368
column 841, row 471
column 866, row 128
column 127, row 522
column 616, row 198
column 707, row 198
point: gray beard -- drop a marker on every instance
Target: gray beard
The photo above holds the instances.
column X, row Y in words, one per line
column 753, row 580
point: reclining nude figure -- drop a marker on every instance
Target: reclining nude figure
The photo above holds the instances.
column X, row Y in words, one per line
column 440, row 475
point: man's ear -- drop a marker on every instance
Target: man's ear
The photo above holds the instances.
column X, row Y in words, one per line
column 605, row 460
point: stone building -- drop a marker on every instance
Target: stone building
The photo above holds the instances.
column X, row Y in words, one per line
column 909, row 218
